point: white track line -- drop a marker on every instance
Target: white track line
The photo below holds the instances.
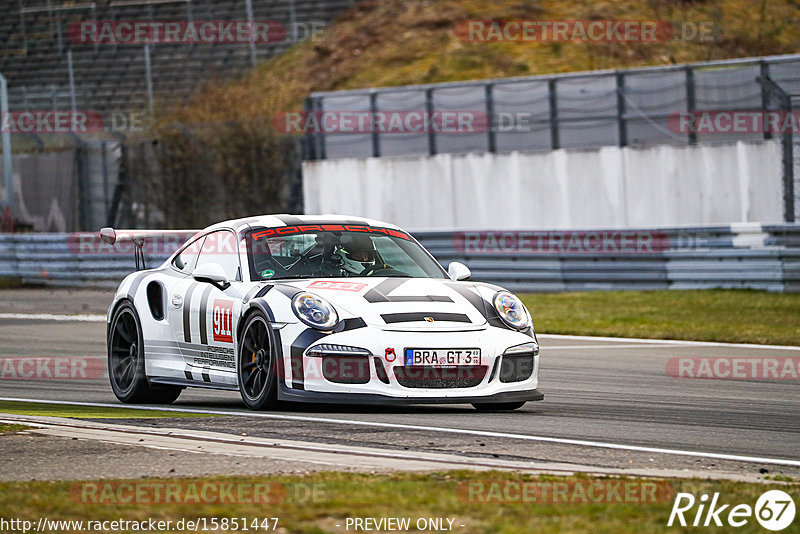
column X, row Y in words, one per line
column 667, row 342
column 546, row 348
column 484, row 433
column 54, row 317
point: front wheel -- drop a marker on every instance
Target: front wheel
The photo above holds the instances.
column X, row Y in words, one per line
column 257, row 364
column 126, row 361
column 498, row 406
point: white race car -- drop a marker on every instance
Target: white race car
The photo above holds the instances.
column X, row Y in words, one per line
column 317, row 309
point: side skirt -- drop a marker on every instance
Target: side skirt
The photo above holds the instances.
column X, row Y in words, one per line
column 192, row 384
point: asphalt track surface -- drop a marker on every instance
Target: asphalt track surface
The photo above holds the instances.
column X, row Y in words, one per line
column 608, row 402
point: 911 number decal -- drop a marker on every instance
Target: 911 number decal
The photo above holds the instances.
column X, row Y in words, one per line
column 223, row 321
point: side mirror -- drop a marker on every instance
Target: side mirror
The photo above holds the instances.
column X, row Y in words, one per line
column 458, row 271
column 210, row 272
column 108, row 236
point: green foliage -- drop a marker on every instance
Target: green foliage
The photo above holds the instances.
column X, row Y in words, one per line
column 739, row 316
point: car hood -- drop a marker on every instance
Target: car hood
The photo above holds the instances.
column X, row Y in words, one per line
column 418, row 304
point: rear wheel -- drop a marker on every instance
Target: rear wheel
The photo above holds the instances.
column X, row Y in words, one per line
column 126, row 361
column 498, row 406
column 257, row 367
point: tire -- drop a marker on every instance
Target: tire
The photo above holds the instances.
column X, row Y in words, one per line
column 126, row 373
column 498, row 406
column 257, row 364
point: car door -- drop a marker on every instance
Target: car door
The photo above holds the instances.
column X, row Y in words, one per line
column 180, row 301
column 206, row 325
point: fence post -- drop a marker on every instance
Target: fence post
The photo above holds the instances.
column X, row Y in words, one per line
column 490, row 125
column 691, row 101
column 148, row 77
column 373, row 111
column 72, row 100
column 788, row 174
column 621, row 124
column 58, row 30
column 119, row 188
column 322, row 149
column 94, row 17
column 84, row 187
column 104, row 162
column 22, row 28
column 252, row 44
column 764, row 94
column 8, row 167
column 293, row 20
column 307, row 151
column 778, row 100
column 432, row 132
column 555, row 138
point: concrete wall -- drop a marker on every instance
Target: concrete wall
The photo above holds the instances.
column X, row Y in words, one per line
column 564, row 189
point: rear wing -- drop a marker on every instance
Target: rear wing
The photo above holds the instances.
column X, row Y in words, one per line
column 139, row 238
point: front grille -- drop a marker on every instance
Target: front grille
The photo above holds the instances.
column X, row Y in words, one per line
column 391, row 318
column 516, row 367
column 346, row 369
column 427, row 377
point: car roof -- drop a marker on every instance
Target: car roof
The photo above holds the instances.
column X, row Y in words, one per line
column 276, row 221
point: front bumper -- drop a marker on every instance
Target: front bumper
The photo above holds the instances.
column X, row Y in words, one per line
column 304, row 378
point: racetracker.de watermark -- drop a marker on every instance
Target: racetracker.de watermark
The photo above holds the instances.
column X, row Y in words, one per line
column 140, row 32
column 735, row 368
column 88, row 243
column 56, row 122
column 196, row 492
column 360, row 370
column 565, row 492
column 51, row 368
column 382, row 122
column 740, row 121
column 585, row 31
column 70, row 122
column 561, row 242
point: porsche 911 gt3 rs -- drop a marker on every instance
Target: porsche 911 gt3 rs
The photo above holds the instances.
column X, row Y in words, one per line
column 317, row 309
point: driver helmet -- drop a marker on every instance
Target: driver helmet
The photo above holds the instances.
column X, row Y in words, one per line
column 357, row 254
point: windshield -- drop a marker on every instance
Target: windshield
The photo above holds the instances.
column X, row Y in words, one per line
column 316, row 252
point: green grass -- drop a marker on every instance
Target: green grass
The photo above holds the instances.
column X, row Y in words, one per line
column 342, row 495
column 7, row 428
column 86, row 412
column 779, row 478
column 736, row 316
column 10, row 283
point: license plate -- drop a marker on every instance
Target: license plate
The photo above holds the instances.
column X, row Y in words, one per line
column 442, row 357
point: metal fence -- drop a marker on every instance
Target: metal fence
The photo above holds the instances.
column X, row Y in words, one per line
column 582, row 110
column 631, row 107
column 49, row 69
column 193, row 176
column 63, row 187
column 748, row 256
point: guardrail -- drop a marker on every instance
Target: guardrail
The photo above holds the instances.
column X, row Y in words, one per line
column 752, row 256
column 54, row 259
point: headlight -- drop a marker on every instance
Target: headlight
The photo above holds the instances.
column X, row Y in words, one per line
column 314, row 311
column 511, row 310
column 525, row 348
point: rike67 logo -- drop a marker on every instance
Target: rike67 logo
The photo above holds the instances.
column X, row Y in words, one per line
column 774, row 510
column 222, row 315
